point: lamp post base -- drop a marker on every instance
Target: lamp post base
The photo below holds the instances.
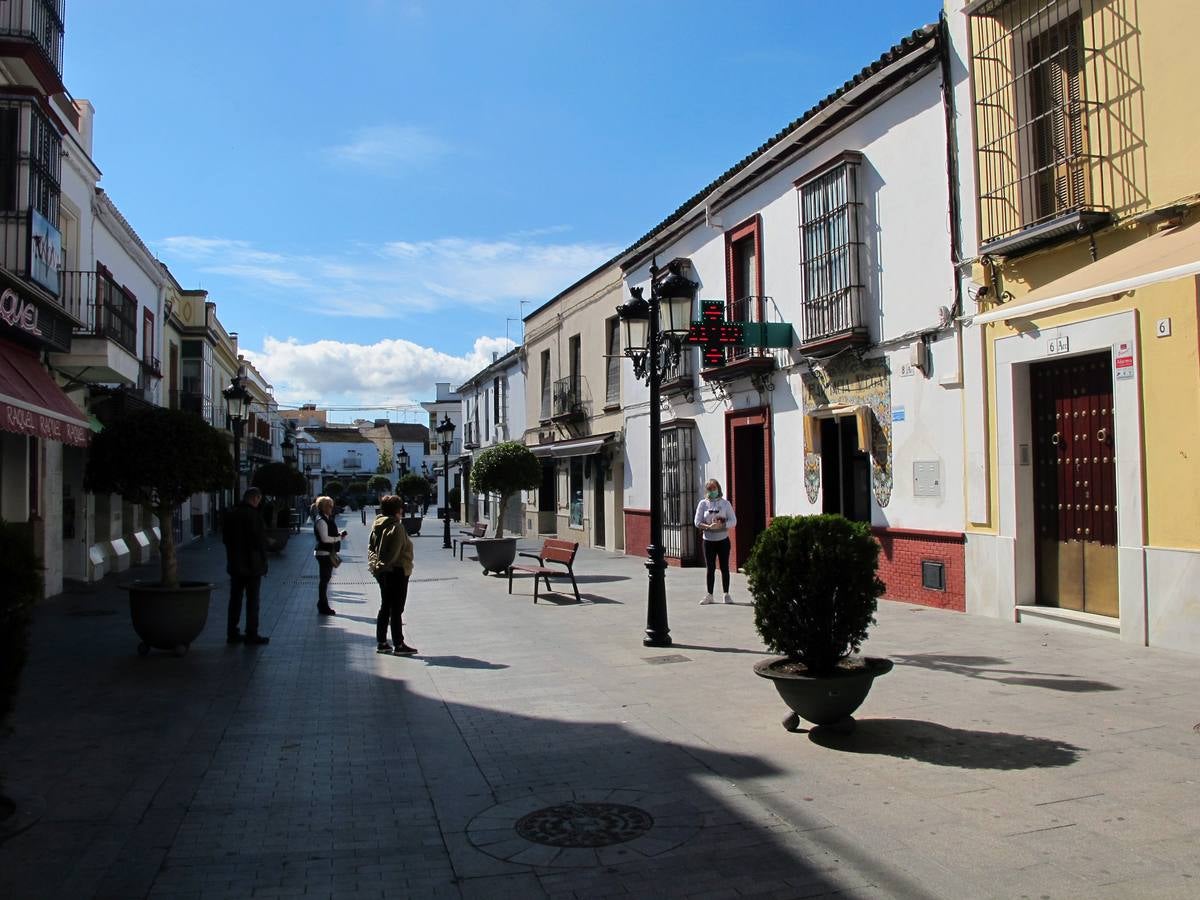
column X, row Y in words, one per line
column 658, row 634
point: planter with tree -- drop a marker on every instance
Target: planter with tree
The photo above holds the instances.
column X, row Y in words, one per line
column 504, row 469
column 377, row 487
column 413, row 488
column 815, row 590
column 280, row 483
column 157, row 459
column 357, row 492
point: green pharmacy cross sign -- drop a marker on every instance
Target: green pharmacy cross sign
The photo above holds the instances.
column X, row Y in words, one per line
column 713, row 333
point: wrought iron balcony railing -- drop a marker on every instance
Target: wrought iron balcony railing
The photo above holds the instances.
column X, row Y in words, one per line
column 470, row 438
column 39, row 22
column 568, row 398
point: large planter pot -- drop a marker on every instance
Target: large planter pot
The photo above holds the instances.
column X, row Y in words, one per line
column 828, row 700
column 495, row 554
column 277, row 539
column 168, row 618
column 412, row 524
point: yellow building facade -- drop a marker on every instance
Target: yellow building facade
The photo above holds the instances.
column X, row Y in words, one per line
column 1077, row 126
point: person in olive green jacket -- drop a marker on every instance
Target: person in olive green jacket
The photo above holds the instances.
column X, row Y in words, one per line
column 395, row 550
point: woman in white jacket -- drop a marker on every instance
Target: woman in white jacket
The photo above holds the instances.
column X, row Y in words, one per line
column 714, row 518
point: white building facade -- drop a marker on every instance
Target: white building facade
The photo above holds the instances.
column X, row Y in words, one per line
column 493, row 411
column 830, row 253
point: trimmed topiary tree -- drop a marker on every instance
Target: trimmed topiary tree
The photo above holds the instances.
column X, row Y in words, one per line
column 413, row 487
column 281, row 483
column 379, row 484
column 814, row 583
column 334, row 489
column 157, row 459
column 505, row 469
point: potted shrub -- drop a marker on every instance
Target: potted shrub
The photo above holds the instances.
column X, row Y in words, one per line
column 157, row 459
column 334, row 489
column 815, row 590
column 279, row 482
column 503, row 469
column 413, row 488
column 378, row 485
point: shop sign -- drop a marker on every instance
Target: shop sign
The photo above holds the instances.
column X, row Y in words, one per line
column 45, row 252
column 19, row 312
column 20, row 420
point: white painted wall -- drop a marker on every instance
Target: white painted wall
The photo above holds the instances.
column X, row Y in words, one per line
column 906, row 262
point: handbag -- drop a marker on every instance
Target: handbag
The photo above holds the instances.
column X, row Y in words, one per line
column 335, row 560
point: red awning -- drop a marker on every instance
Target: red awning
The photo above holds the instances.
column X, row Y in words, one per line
column 31, row 403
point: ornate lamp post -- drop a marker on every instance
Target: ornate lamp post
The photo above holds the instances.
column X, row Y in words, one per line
column 654, row 331
column 237, row 399
column 445, row 431
column 288, row 448
column 402, row 461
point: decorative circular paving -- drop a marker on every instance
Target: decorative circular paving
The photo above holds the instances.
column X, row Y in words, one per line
column 576, row 829
column 584, row 824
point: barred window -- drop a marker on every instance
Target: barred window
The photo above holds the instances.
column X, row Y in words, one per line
column 829, row 246
column 612, row 379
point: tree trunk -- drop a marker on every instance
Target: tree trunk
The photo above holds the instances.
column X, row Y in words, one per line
column 166, row 547
column 503, row 505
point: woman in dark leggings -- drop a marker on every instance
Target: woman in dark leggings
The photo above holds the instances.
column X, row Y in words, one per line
column 714, row 518
column 329, row 541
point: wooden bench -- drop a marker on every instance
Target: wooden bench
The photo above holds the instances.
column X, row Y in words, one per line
column 553, row 551
column 469, row 536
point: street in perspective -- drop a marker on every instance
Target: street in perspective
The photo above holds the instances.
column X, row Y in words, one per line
column 599, row 450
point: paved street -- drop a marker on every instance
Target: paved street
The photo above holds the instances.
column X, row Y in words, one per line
column 995, row 760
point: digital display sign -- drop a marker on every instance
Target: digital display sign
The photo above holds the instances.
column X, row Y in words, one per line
column 713, row 333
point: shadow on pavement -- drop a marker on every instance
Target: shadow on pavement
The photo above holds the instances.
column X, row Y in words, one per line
column 941, row 745
column 460, row 662
column 719, row 649
column 987, row 669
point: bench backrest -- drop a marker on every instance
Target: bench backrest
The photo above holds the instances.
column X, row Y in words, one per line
column 479, row 529
column 554, row 550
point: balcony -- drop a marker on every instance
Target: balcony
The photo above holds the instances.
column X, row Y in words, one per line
column 104, row 347
column 31, row 40
column 470, row 438
column 567, row 396
column 258, row 448
column 351, row 463
column 30, row 173
column 681, row 378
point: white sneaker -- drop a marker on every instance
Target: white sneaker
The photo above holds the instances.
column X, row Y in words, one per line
column 728, row 599
column 708, row 598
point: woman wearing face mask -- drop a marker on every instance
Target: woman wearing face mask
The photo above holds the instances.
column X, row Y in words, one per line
column 714, row 518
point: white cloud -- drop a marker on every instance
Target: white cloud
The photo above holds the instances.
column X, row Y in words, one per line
column 389, row 373
column 390, row 148
column 391, row 280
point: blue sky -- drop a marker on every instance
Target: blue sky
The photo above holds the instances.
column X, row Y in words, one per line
column 369, row 188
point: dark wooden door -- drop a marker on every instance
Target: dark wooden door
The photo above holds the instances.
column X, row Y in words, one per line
column 1075, row 496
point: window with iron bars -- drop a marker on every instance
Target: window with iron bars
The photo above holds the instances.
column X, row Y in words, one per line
column 679, row 489
column 829, row 251
column 612, row 352
column 1056, row 112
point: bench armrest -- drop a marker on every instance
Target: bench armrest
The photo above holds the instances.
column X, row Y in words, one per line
column 536, row 556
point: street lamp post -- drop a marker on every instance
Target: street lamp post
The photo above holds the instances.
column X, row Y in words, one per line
column 237, row 399
column 445, row 431
column 655, row 346
column 402, row 464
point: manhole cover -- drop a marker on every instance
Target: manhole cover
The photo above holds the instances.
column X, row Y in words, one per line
column 670, row 658
column 584, row 824
column 585, row 828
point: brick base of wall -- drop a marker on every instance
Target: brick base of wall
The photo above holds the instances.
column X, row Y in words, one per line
column 637, row 534
column 903, row 551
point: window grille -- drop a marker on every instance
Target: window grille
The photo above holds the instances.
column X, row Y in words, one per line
column 612, row 380
column 1057, row 101
column 679, row 490
column 830, row 249
column 545, row 407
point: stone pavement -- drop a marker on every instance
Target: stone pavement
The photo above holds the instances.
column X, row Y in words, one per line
column 996, row 760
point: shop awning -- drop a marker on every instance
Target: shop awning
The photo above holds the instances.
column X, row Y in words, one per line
column 31, row 403
column 1164, row 256
column 578, row 447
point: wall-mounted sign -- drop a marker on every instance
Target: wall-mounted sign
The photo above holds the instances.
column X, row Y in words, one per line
column 897, row 413
column 45, row 252
column 1123, row 363
column 713, row 333
column 19, row 312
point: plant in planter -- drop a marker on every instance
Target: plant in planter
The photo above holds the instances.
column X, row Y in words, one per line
column 503, row 469
column 413, row 488
column 379, row 485
column 280, row 483
column 157, row 459
column 334, row 488
column 815, row 590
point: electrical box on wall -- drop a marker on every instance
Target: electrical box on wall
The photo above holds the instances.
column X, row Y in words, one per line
column 918, row 356
column 927, row 478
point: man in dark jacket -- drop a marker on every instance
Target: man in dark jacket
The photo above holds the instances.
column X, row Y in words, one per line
column 245, row 538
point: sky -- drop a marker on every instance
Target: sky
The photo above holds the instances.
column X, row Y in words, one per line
column 375, row 192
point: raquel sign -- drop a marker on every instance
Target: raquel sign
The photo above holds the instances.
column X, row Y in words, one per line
column 19, row 312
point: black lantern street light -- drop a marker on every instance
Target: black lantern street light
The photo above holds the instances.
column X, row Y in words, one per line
column 445, row 431
column 288, row 448
column 237, row 399
column 402, row 461
column 654, row 333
